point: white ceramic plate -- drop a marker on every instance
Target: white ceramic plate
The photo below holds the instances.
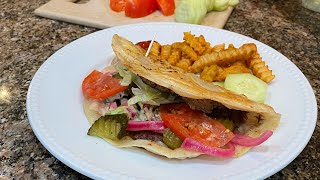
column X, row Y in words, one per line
column 54, row 105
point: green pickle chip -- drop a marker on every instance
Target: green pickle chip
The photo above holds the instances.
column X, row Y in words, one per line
column 171, row 140
column 110, row 127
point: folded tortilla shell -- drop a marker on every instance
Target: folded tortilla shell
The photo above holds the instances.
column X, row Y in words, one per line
column 260, row 117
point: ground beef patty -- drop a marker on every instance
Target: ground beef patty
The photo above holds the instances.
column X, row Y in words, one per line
column 204, row 105
column 156, row 86
column 147, row 135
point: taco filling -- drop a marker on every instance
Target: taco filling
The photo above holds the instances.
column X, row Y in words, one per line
column 142, row 103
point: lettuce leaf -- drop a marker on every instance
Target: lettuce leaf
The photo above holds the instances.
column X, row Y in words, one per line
column 118, row 110
column 127, row 76
column 144, row 93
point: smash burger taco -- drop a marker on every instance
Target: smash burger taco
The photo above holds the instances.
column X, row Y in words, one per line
column 139, row 102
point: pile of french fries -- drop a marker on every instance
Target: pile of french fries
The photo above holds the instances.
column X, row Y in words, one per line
column 196, row 55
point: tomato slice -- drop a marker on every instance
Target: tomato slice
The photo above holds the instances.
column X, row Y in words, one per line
column 140, row 8
column 144, row 44
column 117, row 5
column 167, row 7
column 100, row 86
column 188, row 123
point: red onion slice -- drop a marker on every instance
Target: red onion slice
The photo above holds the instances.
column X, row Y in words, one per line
column 244, row 140
column 156, row 126
column 192, row 145
column 132, row 112
column 112, row 105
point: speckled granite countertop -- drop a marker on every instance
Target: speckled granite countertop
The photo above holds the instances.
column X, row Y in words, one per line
column 27, row 41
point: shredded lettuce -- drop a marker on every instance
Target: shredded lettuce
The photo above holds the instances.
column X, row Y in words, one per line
column 147, row 113
column 140, row 116
column 127, row 76
column 137, row 112
column 143, row 104
column 118, row 110
column 140, row 96
column 144, row 93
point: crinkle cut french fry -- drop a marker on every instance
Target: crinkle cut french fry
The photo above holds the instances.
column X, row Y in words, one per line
column 260, row 69
column 209, row 73
column 175, row 56
column 218, row 48
column 224, row 57
column 207, row 51
column 165, row 52
column 155, row 49
column 239, row 63
column 204, row 43
column 184, row 63
column 189, row 52
column 176, row 45
column 199, row 44
column 202, row 40
column 231, row 46
column 186, row 50
column 195, row 55
column 236, row 68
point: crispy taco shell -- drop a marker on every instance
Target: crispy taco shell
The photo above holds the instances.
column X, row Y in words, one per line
column 260, row 117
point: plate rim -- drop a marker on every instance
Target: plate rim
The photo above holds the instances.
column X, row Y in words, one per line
column 59, row 155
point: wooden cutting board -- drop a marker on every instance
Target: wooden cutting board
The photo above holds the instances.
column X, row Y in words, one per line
column 97, row 13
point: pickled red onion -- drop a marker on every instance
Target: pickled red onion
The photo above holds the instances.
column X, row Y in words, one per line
column 112, row 105
column 132, row 112
column 244, row 140
column 156, row 126
column 190, row 144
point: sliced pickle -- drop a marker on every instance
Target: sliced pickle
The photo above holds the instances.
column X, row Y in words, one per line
column 227, row 123
column 110, row 126
column 171, row 140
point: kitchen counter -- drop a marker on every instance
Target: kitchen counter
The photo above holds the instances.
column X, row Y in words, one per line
column 27, row 41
